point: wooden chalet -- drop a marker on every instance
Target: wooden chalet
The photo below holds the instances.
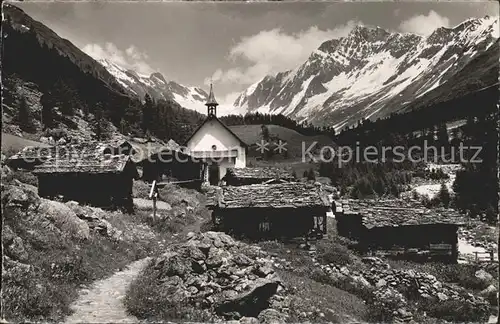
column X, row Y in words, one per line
column 169, row 163
column 399, row 227
column 88, row 174
column 270, row 210
column 248, row 176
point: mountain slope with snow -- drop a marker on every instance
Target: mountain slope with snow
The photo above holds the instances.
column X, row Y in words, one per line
column 372, row 73
column 157, row 87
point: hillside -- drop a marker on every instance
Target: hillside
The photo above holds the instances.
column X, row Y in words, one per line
column 372, row 73
column 251, row 134
column 46, row 73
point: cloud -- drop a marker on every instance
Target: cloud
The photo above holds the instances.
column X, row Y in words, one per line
column 272, row 51
column 424, row 24
column 130, row 58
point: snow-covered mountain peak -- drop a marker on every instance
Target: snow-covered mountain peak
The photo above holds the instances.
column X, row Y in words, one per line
column 370, row 72
column 157, row 86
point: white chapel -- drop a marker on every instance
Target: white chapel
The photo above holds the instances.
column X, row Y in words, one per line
column 216, row 145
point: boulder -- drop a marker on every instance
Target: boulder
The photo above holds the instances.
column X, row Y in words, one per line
column 251, row 301
column 6, row 172
column 271, row 316
column 218, row 273
column 64, row 219
column 381, row 283
column 44, row 140
column 484, row 276
column 19, row 197
column 14, row 245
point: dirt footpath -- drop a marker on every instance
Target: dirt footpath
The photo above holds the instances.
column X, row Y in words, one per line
column 103, row 302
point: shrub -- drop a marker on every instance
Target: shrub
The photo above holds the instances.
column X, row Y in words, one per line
column 455, row 311
column 25, row 177
column 140, row 189
column 333, row 252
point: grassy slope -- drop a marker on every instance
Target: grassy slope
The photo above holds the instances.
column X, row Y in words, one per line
column 11, row 142
column 61, row 266
column 251, row 134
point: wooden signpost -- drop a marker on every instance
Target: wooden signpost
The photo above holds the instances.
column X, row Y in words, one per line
column 153, row 194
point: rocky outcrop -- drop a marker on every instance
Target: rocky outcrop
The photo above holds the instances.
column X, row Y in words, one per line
column 391, row 289
column 94, row 218
column 64, row 219
column 21, row 201
column 13, row 245
column 212, row 271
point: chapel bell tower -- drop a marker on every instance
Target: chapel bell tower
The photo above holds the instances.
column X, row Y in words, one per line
column 211, row 103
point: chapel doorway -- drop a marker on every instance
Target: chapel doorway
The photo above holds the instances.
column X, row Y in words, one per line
column 213, row 174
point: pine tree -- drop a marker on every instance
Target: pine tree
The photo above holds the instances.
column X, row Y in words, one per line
column 97, row 123
column 147, row 114
column 100, row 125
column 265, row 133
column 311, row 175
column 23, row 116
column 47, row 110
column 444, row 195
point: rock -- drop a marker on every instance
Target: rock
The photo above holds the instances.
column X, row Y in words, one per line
column 6, row 172
column 344, row 271
column 381, row 283
column 64, row 218
column 484, row 276
column 404, row 313
column 19, row 197
column 263, row 271
column 442, row 296
column 44, row 140
column 361, row 280
column 489, row 291
column 61, row 141
column 250, row 301
column 426, row 296
column 270, row 316
column 248, row 320
column 17, row 251
column 14, row 130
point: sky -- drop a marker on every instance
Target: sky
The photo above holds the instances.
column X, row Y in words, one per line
column 232, row 44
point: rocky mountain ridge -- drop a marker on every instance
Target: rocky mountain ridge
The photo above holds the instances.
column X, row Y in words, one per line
column 372, row 73
column 157, row 86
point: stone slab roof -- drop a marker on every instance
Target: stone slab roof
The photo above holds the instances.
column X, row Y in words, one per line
column 264, row 173
column 397, row 212
column 282, row 195
column 82, row 158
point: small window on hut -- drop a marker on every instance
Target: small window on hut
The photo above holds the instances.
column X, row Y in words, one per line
column 265, row 226
column 214, row 147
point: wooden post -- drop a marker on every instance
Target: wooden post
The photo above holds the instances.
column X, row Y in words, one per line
column 153, row 194
column 492, row 255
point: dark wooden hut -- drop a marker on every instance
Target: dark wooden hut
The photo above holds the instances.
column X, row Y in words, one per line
column 400, row 227
column 88, row 174
column 248, row 176
column 270, row 210
column 169, row 163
